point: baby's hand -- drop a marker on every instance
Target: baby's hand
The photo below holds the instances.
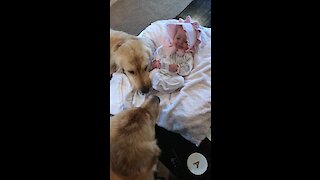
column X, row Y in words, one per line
column 156, row 64
column 173, row 67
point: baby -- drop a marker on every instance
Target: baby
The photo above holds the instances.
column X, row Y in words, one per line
column 174, row 60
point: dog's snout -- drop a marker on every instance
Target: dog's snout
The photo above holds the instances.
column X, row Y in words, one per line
column 145, row 90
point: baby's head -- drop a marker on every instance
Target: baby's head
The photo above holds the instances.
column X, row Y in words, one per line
column 184, row 35
column 180, row 39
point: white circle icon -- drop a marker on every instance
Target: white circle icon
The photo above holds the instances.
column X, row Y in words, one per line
column 197, row 163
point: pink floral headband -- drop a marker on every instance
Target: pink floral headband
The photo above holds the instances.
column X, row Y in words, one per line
column 192, row 29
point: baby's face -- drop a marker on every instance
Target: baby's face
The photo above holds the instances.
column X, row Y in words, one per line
column 180, row 39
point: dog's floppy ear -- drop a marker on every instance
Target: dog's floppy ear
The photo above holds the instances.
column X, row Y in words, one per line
column 119, row 44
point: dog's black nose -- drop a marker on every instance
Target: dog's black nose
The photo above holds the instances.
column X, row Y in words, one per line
column 157, row 98
column 145, row 90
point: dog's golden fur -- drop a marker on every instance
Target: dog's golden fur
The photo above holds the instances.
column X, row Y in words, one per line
column 133, row 147
column 131, row 55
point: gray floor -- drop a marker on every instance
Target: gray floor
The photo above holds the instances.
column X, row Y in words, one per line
column 132, row 16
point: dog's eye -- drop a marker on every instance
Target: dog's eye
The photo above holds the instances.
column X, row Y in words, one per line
column 131, row 72
column 146, row 68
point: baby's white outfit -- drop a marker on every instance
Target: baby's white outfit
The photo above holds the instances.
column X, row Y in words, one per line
column 165, row 81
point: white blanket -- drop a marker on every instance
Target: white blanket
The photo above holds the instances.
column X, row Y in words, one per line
column 187, row 112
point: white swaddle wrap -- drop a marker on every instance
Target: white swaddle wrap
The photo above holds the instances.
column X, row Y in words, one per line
column 121, row 95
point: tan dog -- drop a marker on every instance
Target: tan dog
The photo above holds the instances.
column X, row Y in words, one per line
column 131, row 55
column 133, row 148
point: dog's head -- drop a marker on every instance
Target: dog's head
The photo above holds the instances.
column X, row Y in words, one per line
column 137, row 121
column 133, row 148
column 135, row 55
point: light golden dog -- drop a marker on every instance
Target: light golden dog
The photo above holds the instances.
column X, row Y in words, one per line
column 131, row 55
column 133, row 148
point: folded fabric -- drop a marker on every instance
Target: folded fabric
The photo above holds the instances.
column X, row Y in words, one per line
column 121, row 94
column 120, row 90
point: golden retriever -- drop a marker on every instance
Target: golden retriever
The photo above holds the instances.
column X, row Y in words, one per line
column 131, row 55
column 133, row 147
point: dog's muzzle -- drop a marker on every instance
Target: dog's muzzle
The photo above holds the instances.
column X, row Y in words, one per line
column 145, row 90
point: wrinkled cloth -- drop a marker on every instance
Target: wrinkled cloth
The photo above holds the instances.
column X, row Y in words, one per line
column 121, row 95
